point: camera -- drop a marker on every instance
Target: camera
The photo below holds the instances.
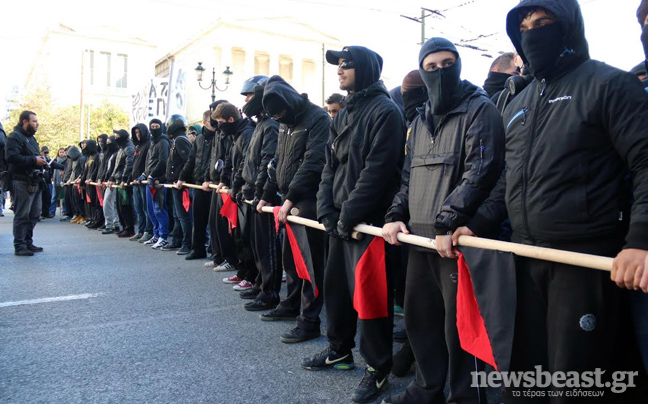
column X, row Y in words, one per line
column 36, row 176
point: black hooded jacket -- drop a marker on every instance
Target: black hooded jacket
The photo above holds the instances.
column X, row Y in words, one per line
column 78, row 162
column 124, row 160
column 20, row 152
column 196, row 167
column 157, row 156
column 261, row 150
column 300, row 147
column 364, row 154
column 570, row 140
column 91, row 167
column 141, row 150
column 233, row 169
column 495, row 83
column 178, row 156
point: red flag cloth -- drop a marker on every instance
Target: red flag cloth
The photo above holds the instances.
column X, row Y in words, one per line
column 186, row 200
column 88, row 197
column 78, row 188
column 370, row 294
column 229, row 211
column 100, row 196
column 275, row 212
column 470, row 324
column 301, row 253
column 153, row 191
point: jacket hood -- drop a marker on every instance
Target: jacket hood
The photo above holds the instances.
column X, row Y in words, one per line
column 144, row 134
column 368, row 66
column 570, row 17
column 74, row 153
column 279, row 95
column 91, row 147
column 495, row 82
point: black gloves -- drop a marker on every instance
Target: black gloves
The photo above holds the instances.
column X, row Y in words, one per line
column 239, row 198
column 343, row 232
column 330, row 224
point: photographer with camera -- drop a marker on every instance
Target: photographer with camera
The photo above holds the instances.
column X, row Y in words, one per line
column 26, row 168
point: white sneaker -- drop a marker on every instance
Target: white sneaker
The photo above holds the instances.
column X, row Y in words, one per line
column 151, row 241
column 243, row 285
column 224, row 267
column 210, row 264
column 161, row 243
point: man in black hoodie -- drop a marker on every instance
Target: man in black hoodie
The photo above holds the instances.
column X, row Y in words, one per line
column 443, row 183
column 120, row 176
column 78, row 162
column 299, row 162
column 501, row 69
column 362, row 172
column 89, row 175
column 572, row 136
column 178, row 156
column 25, row 164
column 110, row 193
column 155, row 174
column 142, row 142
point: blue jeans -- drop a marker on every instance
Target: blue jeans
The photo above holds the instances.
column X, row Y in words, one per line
column 54, row 201
column 156, row 206
column 639, row 302
column 144, row 223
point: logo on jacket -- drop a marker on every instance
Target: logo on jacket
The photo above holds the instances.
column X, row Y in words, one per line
column 563, row 98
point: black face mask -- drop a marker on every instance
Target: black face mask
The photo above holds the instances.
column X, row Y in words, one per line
column 156, row 133
column 542, row 48
column 213, row 123
column 121, row 141
column 443, row 87
column 289, row 118
column 112, row 147
column 228, row 128
column 413, row 99
column 644, row 40
column 102, row 146
column 253, row 107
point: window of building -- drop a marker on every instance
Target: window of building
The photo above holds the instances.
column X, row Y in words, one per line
column 122, row 71
column 106, row 62
column 261, row 63
column 286, row 68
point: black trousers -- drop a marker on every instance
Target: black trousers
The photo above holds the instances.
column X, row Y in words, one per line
column 125, row 208
column 77, row 202
column 246, row 265
column 301, row 293
column 67, row 196
column 93, row 191
column 222, row 242
column 46, row 195
column 201, row 202
column 431, row 322
column 182, row 226
column 342, row 319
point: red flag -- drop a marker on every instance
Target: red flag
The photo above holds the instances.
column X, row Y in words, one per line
column 229, row 211
column 186, row 200
column 78, row 188
column 302, row 257
column 275, row 212
column 370, row 292
column 88, row 197
column 470, row 324
column 100, row 196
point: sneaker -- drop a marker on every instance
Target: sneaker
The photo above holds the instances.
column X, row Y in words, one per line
column 126, row 234
column 372, row 385
column 171, row 247
column 210, row 264
column 399, row 311
column 298, row 335
column 65, row 219
column 329, row 358
column 232, row 279
column 278, row 315
column 243, row 285
column 108, row 231
column 145, row 237
column 249, row 294
column 35, row 249
column 400, row 336
column 260, row 305
column 183, row 251
column 151, row 241
column 102, row 227
column 403, row 361
column 161, row 243
column 136, row 237
column 23, row 252
column 224, row 267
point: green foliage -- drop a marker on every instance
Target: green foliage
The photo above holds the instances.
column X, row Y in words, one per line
column 59, row 125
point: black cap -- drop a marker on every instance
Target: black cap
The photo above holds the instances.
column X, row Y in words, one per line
column 45, row 149
column 333, row 57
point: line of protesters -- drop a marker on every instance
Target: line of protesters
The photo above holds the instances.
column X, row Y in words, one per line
column 556, row 158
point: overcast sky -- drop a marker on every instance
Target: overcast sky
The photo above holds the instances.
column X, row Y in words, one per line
column 611, row 27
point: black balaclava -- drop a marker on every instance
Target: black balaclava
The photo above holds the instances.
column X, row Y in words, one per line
column 495, row 82
column 228, row 128
column 412, row 100
column 542, row 48
column 444, row 84
column 254, row 107
column 102, row 139
column 112, row 147
column 121, row 137
column 155, row 133
column 91, row 147
column 278, row 96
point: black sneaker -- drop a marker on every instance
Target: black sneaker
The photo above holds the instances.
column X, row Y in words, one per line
column 299, row 335
column 249, row 294
column 194, row 256
column 183, row 251
column 34, row 248
column 403, row 360
column 260, row 305
column 373, row 384
column 329, row 358
column 278, row 315
column 400, row 336
column 102, row 227
column 108, row 231
column 170, row 247
column 23, row 252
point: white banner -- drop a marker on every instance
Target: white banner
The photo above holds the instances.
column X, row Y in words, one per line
column 158, row 100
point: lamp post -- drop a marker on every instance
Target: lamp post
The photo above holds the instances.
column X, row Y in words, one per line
column 199, row 73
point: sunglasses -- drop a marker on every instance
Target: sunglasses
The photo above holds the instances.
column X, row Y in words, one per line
column 346, row 65
column 193, row 132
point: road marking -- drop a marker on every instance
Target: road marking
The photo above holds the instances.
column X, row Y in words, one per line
column 51, row 299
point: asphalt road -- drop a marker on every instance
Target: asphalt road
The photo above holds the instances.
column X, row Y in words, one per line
column 146, row 327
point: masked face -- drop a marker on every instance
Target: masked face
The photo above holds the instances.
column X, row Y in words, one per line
column 228, row 128
column 253, row 107
column 542, row 48
column 441, row 73
column 112, row 147
column 413, row 99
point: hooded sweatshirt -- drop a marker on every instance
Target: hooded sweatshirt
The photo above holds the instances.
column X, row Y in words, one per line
column 124, row 160
column 91, row 163
column 364, row 153
column 78, row 161
column 141, row 150
column 571, row 137
column 158, row 154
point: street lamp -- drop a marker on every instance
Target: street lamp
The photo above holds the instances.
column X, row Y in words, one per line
column 199, row 73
